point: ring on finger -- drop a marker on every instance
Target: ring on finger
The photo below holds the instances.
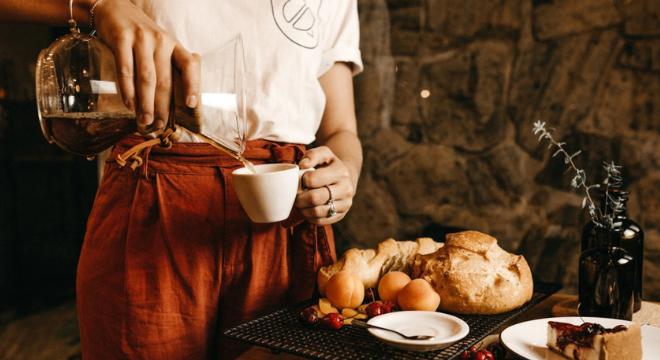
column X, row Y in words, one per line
column 332, row 210
column 330, row 197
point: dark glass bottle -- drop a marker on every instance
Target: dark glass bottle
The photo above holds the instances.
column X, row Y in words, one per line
column 631, row 238
column 606, row 277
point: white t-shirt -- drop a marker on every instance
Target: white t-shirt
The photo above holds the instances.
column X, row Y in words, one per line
column 288, row 45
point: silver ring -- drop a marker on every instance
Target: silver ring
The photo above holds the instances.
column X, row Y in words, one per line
column 330, row 199
column 332, row 211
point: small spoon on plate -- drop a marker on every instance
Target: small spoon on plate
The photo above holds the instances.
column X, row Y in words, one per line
column 363, row 324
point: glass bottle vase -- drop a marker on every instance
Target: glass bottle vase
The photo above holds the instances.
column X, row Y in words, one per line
column 606, row 277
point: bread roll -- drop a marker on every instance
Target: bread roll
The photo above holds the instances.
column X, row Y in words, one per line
column 369, row 265
column 473, row 275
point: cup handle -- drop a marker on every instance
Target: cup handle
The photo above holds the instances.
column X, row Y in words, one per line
column 302, row 172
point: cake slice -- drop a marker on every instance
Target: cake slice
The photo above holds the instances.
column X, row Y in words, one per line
column 591, row 341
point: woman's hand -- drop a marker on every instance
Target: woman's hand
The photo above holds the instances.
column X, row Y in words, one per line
column 144, row 54
column 313, row 200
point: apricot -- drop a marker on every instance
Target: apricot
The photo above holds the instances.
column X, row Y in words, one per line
column 391, row 283
column 345, row 290
column 418, row 295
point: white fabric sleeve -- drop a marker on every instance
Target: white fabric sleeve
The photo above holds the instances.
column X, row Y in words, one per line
column 341, row 38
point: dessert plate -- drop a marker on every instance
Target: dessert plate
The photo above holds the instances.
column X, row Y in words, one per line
column 445, row 329
column 528, row 339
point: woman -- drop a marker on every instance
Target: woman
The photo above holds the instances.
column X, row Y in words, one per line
column 170, row 258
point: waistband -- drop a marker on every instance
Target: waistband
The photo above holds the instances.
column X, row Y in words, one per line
column 203, row 154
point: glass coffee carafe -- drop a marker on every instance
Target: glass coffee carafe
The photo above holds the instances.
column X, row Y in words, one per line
column 82, row 111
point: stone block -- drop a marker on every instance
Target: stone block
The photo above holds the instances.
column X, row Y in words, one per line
column 595, row 150
column 641, row 55
column 641, row 17
column 461, row 19
column 405, row 42
column 426, row 174
column 407, row 93
column 646, row 106
column 640, row 153
column 374, row 92
column 559, row 18
column 558, row 83
column 644, row 204
column 651, row 264
column 407, row 18
column 374, row 29
column 373, row 217
column 613, row 106
column 466, row 94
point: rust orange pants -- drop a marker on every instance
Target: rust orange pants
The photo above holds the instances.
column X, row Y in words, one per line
column 170, row 259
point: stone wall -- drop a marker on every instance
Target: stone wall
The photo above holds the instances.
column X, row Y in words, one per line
column 446, row 105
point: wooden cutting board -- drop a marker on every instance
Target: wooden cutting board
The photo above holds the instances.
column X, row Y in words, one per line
column 650, row 311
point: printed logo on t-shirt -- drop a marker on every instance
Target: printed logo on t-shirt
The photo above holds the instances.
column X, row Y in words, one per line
column 298, row 20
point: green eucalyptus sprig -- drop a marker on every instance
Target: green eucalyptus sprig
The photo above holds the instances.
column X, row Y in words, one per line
column 579, row 180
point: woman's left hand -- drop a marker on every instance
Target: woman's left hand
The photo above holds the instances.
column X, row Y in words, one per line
column 330, row 182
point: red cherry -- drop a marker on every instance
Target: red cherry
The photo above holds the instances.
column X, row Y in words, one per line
column 489, row 355
column 309, row 316
column 473, row 349
column 465, row 355
column 332, row 321
column 375, row 309
column 480, row 356
column 388, row 306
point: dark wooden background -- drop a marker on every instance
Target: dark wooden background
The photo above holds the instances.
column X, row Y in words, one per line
column 45, row 193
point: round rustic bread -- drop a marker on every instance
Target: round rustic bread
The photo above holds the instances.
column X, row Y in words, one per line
column 473, row 275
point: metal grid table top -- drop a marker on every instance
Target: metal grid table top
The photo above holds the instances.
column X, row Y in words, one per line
column 281, row 331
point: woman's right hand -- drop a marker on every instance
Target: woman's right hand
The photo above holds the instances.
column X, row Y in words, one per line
column 144, row 54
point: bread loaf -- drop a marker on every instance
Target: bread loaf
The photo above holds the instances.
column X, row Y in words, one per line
column 369, row 265
column 473, row 275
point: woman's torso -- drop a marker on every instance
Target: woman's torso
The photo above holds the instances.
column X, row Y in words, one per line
column 284, row 42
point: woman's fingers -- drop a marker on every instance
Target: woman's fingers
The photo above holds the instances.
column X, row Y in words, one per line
column 333, row 173
column 317, row 156
column 123, row 49
column 320, row 196
column 189, row 65
column 319, row 214
column 146, row 79
column 163, row 62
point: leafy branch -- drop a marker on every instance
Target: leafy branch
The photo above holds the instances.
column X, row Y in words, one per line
column 579, row 180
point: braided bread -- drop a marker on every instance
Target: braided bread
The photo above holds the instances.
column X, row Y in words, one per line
column 369, row 265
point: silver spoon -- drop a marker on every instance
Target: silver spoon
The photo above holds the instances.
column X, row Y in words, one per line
column 363, row 324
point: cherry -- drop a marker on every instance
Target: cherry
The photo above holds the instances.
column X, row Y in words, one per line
column 480, row 356
column 473, row 349
column 489, row 355
column 332, row 321
column 388, row 306
column 375, row 309
column 309, row 316
column 497, row 350
column 465, row 355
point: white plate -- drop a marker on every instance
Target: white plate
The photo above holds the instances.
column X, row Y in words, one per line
column 445, row 329
column 528, row 339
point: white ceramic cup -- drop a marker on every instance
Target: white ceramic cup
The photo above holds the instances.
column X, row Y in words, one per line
column 268, row 194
